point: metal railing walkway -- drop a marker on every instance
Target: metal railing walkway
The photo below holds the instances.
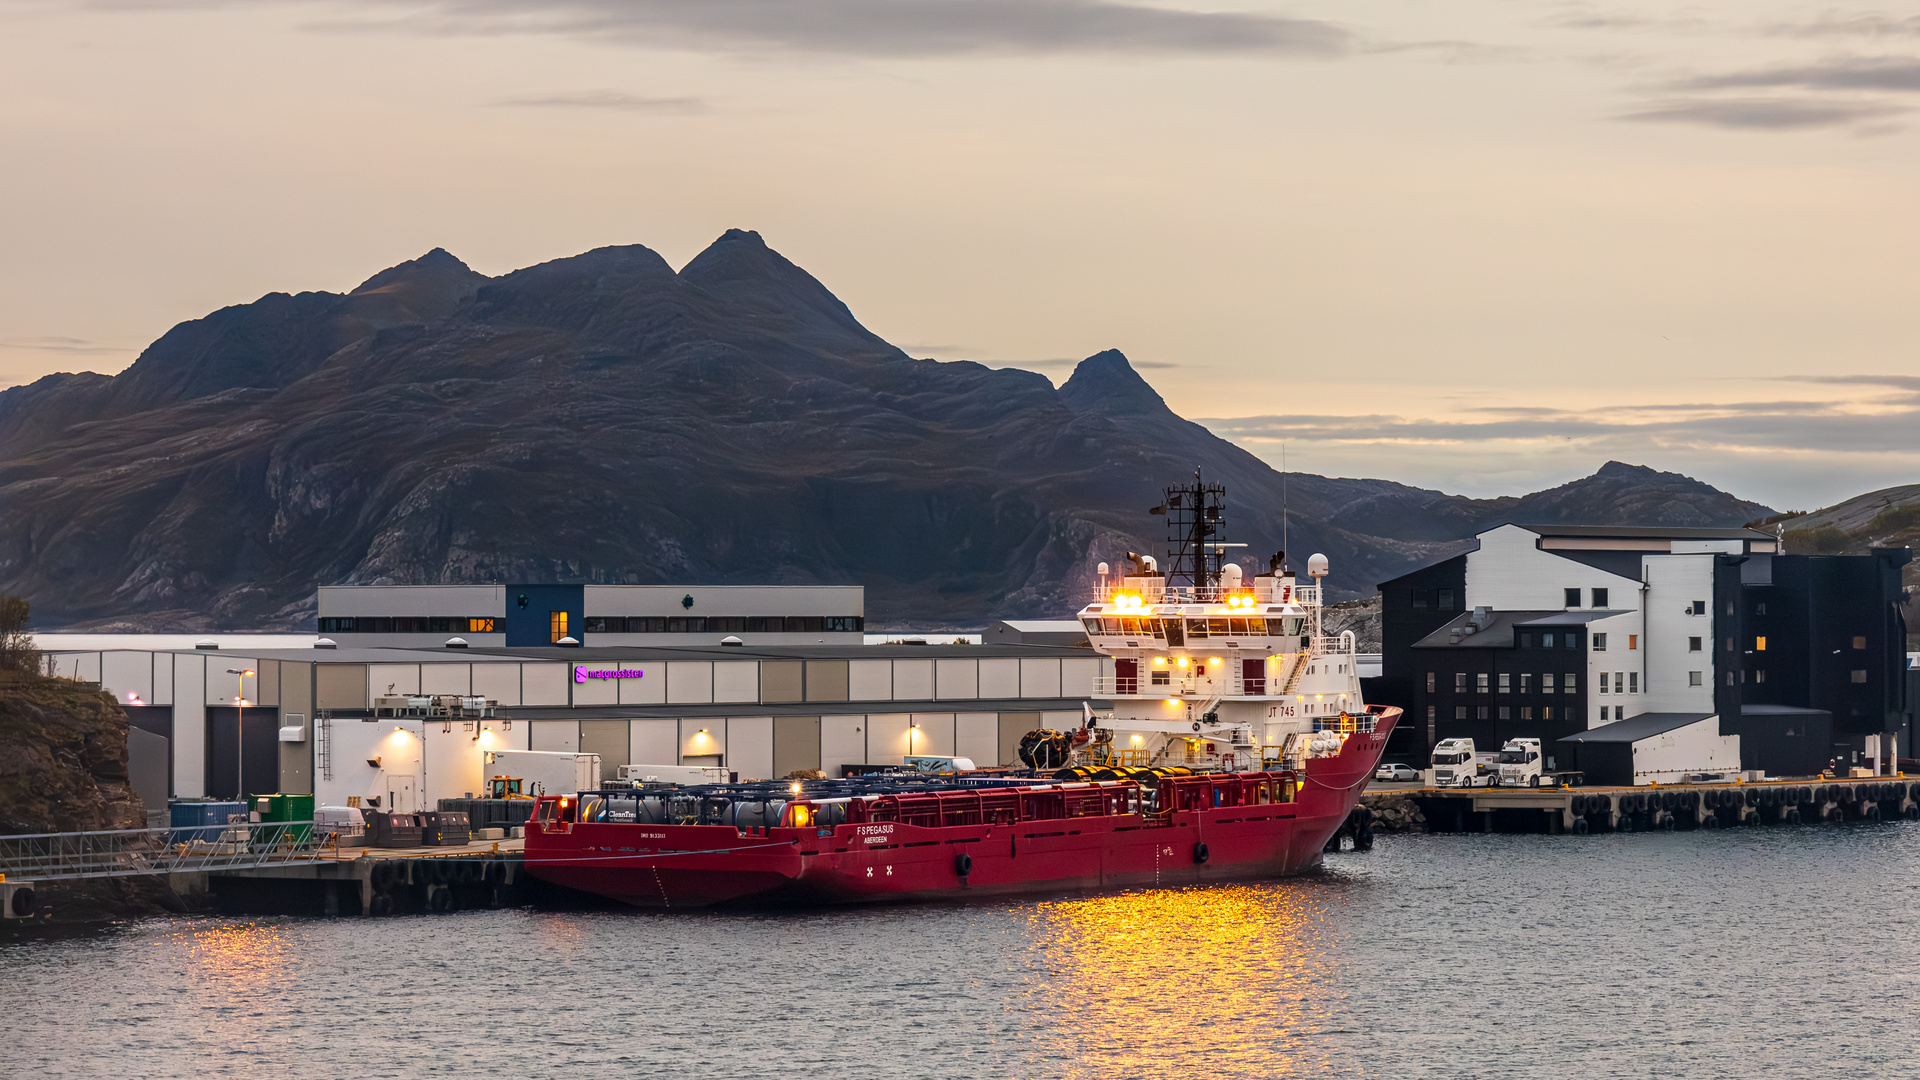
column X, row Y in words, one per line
column 130, row 852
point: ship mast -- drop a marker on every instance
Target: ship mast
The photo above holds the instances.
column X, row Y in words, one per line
column 1196, row 519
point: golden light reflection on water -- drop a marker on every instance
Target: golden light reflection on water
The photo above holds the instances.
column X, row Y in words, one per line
column 1227, row 980
column 234, row 957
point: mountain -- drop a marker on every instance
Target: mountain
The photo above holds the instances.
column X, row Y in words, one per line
column 606, row 419
column 1889, row 517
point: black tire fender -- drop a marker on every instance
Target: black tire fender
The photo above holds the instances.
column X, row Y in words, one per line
column 963, row 864
column 1200, row 854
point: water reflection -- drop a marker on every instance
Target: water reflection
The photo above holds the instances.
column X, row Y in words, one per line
column 1226, row 979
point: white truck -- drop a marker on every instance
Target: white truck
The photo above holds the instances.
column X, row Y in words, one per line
column 1456, row 765
column 1521, row 764
column 544, row 772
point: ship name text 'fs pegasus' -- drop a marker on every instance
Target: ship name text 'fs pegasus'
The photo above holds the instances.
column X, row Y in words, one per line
column 1236, row 746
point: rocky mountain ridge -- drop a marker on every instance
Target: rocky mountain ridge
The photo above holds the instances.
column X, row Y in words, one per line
column 603, row 418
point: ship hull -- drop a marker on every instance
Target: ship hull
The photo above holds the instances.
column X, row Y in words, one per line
column 654, row 866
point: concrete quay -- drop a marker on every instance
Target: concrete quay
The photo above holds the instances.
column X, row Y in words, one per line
column 1638, row 809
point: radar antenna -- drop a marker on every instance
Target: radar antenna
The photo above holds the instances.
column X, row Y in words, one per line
column 1196, row 523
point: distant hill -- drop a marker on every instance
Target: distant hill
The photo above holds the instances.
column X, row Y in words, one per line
column 1889, row 517
column 606, row 419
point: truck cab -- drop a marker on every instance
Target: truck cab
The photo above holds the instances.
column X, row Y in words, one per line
column 1520, row 764
column 1456, row 765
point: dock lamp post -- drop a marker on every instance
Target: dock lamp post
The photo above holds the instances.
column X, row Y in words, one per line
column 240, row 732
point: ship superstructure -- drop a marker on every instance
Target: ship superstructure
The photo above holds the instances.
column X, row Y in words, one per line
column 1214, row 667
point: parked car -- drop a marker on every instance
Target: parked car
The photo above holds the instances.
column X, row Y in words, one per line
column 1396, row 772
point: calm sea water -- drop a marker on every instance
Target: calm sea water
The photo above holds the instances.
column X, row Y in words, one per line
column 1744, row 953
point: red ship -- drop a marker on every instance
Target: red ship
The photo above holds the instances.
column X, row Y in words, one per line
column 960, row 841
column 1235, row 747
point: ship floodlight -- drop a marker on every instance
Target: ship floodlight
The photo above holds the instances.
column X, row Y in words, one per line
column 1183, row 661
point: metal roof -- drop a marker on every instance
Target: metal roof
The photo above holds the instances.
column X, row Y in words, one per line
column 1635, row 728
column 1644, row 532
column 1497, row 634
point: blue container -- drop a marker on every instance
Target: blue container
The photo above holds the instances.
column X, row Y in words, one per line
column 199, row 819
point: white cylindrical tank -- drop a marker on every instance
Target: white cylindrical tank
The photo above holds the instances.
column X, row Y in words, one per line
column 1317, row 565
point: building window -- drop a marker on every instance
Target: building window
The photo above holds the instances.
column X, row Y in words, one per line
column 1760, row 608
column 1526, row 641
column 1568, row 684
column 1603, row 682
column 1443, row 600
column 1859, row 643
column 1419, row 599
column 1459, row 712
column 1546, row 712
column 1693, row 644
column 1546, row 683
column 1599, row 643
column 1480, row 683
column 1617, row 677
column 1730, row 645
column 1599, row 598
column 1460, row 683
column 1526, row 683
column 1526, row 712
column 1760, row 644
column 1482, row 712
column 1633, row 642
column 1760, row 675
column 557, row 624
column 1506, row 682
column 1729, row 678
column 1859, row 676
column 1699, row 608
column 1546, row 641
column 1506, row 713
column 1633, row 682
column 1430, row 711
column 1573, row 597
column 1429, row 682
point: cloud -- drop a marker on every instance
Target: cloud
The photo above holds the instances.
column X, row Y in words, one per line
column 1888, row 424
column 1898, row 74
column 69, row 345
column 888, row 27
column 1870, row 26
column 1764, row 114
column 615, row 100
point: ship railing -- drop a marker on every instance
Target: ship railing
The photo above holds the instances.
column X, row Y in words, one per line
column 1345, row 723
column 1342, row 644
column 1158, row 592
column 1144, row 686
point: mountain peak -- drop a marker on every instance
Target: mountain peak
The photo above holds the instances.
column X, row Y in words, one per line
column 438, row 263
column 1106, row 383
column 1620, row 470
column 740, row 267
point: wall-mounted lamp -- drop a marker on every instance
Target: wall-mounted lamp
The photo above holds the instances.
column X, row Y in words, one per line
column 373, row 762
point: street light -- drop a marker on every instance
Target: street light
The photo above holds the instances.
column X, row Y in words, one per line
column 240, row 732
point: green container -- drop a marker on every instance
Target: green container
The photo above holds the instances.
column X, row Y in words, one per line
column 287, row 808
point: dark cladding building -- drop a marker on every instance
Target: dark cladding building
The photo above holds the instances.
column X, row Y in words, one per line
column 1546, row 632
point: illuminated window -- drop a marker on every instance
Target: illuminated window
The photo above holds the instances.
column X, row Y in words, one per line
column 1506, row 685
column 1859, row 643
column 1429, row 682
column 480, row 626
column 1526, row 712
column 557, row 624
column 1633, row 641
column 1760, row 644
column 1760, row 675
column 1480, row 683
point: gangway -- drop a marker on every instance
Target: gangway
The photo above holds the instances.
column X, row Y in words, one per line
column 133, row 852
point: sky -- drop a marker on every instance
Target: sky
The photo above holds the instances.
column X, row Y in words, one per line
column 1481, row 246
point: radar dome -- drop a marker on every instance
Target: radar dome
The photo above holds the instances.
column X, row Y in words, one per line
column 1317, row 565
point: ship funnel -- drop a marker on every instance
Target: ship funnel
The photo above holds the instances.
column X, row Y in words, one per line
column 1317, row 565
